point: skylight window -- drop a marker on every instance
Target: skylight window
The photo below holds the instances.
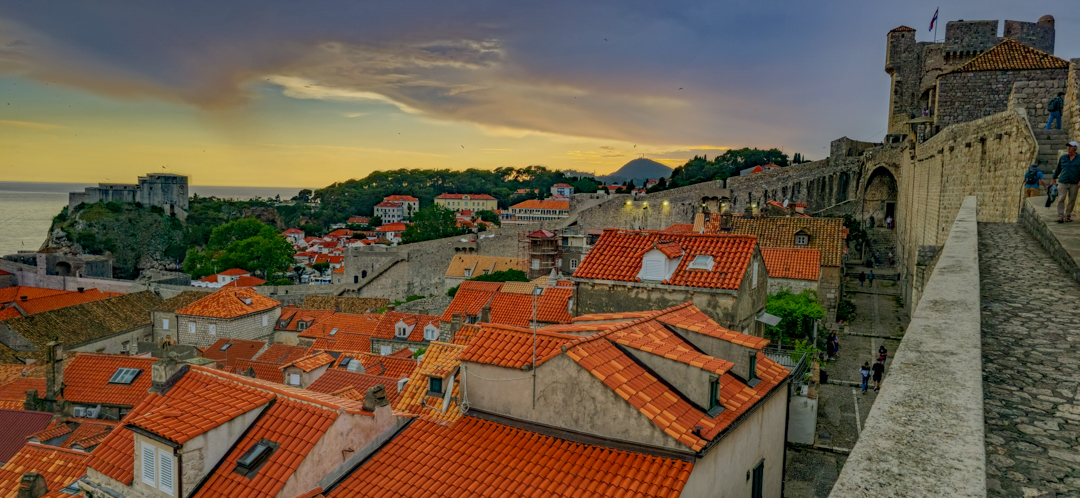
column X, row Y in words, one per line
column 345, row 362
column 254, row 458
column 226, row 346
column 702, row 262
column 125, row 376
column 333, row 332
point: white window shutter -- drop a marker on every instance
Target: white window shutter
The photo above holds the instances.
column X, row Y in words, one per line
column 294, row 379
column 165, row 324
column 165, row 471
column 149, row 477
column 266, row 320
column 213, row 327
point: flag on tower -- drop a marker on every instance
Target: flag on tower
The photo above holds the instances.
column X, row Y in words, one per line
column 934, row 20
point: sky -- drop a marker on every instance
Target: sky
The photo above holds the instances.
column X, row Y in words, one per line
column 303, row 94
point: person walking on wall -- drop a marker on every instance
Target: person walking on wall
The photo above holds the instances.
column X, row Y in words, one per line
column 1067, row 174
column 1033, row 181
column 1055, row 106
column 883, row 353
column 879, row 372
column 862, row 278
column 865, row 371
column 870, row 277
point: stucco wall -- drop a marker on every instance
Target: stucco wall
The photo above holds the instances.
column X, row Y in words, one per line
column 201, row 454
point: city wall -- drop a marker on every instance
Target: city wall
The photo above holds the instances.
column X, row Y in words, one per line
column 966, row 96
column 1070, row 119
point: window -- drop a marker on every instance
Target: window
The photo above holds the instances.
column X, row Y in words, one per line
column 226, row 346
column 654, row 270
column 573, row 264
column 191, row 327
column 165, row 472
column 294, row 379
column 384, row 350
column 702, row 262
column 753, row 379
column 124, row 376
column 802, row 239
column 753, row 284
column 254, row 458
column 402, row 332
column 213, row 329
column 301, row 326
column 435, row 385
column 344, row 363
column 468, row 273
column 714, row 396
column 149, row 469
column 333, row 332
column 536, row 264
column 756, row 488
column 431, row 333
column 266, row 320
column 165, row 324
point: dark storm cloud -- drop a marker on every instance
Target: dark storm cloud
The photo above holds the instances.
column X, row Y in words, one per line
column 793, row 74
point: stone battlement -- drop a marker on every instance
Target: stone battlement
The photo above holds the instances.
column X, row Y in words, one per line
column 166, row 191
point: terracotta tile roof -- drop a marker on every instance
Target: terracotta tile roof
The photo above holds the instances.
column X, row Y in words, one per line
column 478, row 265
column 475, row 197
column 86, row 379
column 336, row 379
column 473, row 285
column 609, row 317
column 687, row 317
column 388, row 204
column 310, row 362
column 263, row 371
column 19, row 425
column 345, row 304
column 235, row 272
column 400, row 198
column 512, row 347
column 826, row 234
column 390, row 319
column 388, row 366
column 402, row 353
column 345, row 343
column 312, row 494
column 1011, row 55
column 902, row 29
column 57, row 301
column 554, row 305
column 182, row 299
column 53, row 430
column 292, row 317
column 465, row 334
column 238, row 349
column 245, row 282
column 473, row 455
column 196, row 404
column 797, row 264
column 88, row 434
column 15, row 294
column 13, row 393
column 518, row 287
column 680, row 227
column 11, row 312
column 280, row 354
column 392, row 227
column 545, row 204
column 229, row 303
column 511, row 308
column 60, row 467
column 440, row 360
column 82, row 323
column 617, row 255
column 10, row 372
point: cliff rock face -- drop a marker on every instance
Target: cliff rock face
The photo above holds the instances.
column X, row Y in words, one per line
column 137, row 238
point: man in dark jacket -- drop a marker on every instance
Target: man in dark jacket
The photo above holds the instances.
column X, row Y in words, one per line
column 1067, row 175
column 1055, row 106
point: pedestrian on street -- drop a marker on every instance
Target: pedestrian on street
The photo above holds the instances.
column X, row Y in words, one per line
column 888, row 222
column 882, row 353
column 862, row 278
column 892, row 261
column 865, row 372
column 1055, row 106
column 1033, row 181
column 1067, row 174
column 870, row 277
column 879, row 371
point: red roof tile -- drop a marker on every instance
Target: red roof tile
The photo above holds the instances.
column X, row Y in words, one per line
column 472, row 457
column 280, row 354
column 15, row 294
column 336, row 379
column 440, row 360
column 617, row 255
column 680, row 227
column 392, row 227
column 57, row 301
column 86, row 379
column 826, row 234
column 60, row 467
column 13, row 393
column 88, row 434
column 797, row 264
column 538, row 204
column 475, row 197
column 263, row 371
column 229, row 302
column 310, row 362
column 390, row 319
column 19, row 425
column 513, row 347
column 1011, row 55
column 400, row 198
column 239, row 349
column 388, row 366
column 245, row 282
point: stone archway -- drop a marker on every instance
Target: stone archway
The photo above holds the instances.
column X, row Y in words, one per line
column 880, row 197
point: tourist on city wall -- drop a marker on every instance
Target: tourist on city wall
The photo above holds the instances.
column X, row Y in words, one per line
column 1055, row 106
column 879, row 372
column 1067, row 174
column 888, row 222
column 865, row 371
column 870, row 277
column 882, row 353
column 862, row 278
column 1033, row 181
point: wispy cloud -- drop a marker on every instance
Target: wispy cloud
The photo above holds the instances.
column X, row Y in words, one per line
column 30, row 125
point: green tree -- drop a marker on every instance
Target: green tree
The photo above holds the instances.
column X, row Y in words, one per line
column 797, row 313
column 376, row 221
column 431, row 222
column 303, row 196
column 245, row 243
column 320, row 267
column 489, row 216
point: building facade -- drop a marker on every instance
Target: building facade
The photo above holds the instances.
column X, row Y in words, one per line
column 473, row 202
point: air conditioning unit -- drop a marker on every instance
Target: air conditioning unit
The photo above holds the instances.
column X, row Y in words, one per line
column 93, row 412
column 79, row 411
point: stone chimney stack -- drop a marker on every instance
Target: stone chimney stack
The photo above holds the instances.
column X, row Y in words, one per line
column 375, row 397
column 390, row 308
column 164, row 373
column 485, row 313
column 54, row 376
column 32, row 485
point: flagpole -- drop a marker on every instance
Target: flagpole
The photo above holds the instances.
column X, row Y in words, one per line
column 936, row 12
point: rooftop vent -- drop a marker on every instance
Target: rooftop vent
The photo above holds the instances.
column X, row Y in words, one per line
column 246, row 300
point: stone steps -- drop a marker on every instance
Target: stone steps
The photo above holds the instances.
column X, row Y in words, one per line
column 1051, row 146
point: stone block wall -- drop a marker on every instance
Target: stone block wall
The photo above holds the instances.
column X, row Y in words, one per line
column 966, row 96
column 1032, row 97
column 1070, row 118
column 244, row 327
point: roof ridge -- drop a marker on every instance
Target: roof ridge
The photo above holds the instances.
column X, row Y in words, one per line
column 622, row 325
column 524, row 330
column 1005, row 44
column 57, row 448
column 295, row 394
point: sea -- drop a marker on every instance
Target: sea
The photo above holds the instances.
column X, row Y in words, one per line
column 27, row 208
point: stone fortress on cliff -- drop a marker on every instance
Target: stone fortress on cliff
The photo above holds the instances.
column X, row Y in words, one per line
column 166, row 191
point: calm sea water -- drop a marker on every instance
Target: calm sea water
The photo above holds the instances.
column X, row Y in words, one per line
column 27, row 209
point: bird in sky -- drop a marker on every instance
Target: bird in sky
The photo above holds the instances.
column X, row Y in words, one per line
column 462, row 146
column 680, row 88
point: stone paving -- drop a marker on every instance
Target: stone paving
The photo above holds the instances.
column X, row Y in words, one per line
column 1030, row 327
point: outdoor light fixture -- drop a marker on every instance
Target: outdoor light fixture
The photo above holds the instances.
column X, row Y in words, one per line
column 628, row 203
column 665, row 203
column 646, row 203
column 754, row 205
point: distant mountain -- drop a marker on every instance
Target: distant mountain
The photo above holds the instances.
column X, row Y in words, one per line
column 638, row 170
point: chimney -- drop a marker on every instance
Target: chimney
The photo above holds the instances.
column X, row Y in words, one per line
column 32, row 485
column 54, row 375
column 22, row 298
column 80, row 289
column 455, row 323
column 164, row 373
column 375, row 397
column 390, row 308
column 246, row 300
column 485, row 313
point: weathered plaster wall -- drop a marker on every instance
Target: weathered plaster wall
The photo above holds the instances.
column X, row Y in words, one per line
column 201, row 454
column 792, row 285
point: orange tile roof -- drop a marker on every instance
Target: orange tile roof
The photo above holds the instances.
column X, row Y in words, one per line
column 797, row 264
column 293, row 316
column 1011, row 55
column 513, row 347
column 15, row 294
column 13, row 393
column 235, row 272
column 680, row 227
column 239, row 349
column 351, row 343
column 474, row 285
column 264, row 371
column 60, row 467
column 388, row 323
column 392, row 227
column 310, row 362
column 467, row 302
column 617, row 255
column 475, row 197
column 196, row 404
column 826, row 234
column 518, row 287
column 473, row 456
column 400, row 198
column 336, row 379
column 89, row 433
column 688, row 317
column 902, row 29
column 280, row 354
column 545, row 204
column 607, row 317
column 440, row 360
column 11, row 312
column 402, row 353
column 57, row 301
column 388, row 366
column 245, row 282
column 465, row 334
column 228, row 303
column 478, row 264
column 86, row 379
column 511, row 308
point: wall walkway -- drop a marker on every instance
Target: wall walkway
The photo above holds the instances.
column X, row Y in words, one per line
column 925, row 433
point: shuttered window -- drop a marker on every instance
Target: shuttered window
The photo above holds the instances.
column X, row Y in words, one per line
column 191, row 327
column 654, row 270
column 165, row 323
column 149, row 477
column 213, row 327
column 165, row 472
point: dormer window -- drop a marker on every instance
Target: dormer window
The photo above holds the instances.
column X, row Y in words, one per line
column 401, row 332
column 802, row 239
column 226, row 346
column 431, row 333
column 125, row 376
column 702, row 262
column 714, row 396
column 753, row 379
column 435, row 386
column 253, row 459
column 301, row 326
column 468, row 273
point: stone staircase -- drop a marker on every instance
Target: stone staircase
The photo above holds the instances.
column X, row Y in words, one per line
column 1051, row 145
column 882, row 242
